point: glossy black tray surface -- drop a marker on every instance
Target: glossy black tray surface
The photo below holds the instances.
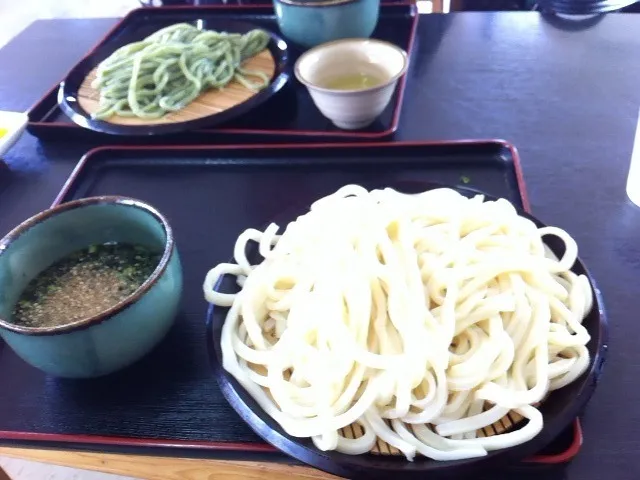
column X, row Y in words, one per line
column 288, row 115
column 169, row 403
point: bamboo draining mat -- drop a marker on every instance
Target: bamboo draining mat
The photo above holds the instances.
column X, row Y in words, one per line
column 383, row 448
column 209, row 103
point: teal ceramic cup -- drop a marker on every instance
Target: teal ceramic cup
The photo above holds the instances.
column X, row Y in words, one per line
column 312, row 22
column 115, row 338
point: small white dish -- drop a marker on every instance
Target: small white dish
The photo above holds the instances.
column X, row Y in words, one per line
column 12, row 124
column 351, row 81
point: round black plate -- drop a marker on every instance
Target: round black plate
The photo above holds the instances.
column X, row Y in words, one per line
column 68, row 91
column 559, row 409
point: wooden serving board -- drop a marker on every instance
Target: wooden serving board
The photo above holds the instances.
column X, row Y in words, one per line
column 208, row 103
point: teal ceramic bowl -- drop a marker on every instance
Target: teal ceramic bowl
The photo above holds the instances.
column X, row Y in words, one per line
column 115, row 338
column 312, row 22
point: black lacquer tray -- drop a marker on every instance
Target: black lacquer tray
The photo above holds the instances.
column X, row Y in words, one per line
column 288, row 115
column 169, row 402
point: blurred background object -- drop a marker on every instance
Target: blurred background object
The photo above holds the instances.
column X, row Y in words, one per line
column 571, row 7
column 575, row 7
column 489, row 5
column 583, row 7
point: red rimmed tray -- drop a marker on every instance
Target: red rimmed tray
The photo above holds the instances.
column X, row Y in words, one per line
column 169, row 403
column 289, row 115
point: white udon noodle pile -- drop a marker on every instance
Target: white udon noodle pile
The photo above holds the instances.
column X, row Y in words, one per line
column 423, row 318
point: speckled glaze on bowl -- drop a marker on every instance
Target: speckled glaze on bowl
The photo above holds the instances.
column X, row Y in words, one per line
column 113, row 339
column 312, row 22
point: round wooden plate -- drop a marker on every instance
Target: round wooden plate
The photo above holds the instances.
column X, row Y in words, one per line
column 79, row 99
column 559, row 409
column 208, row 103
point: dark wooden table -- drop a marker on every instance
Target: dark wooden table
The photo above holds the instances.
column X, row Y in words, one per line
column 566, row 95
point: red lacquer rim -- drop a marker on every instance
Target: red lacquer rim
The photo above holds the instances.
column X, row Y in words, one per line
column 562, row 457
column 241, row 131
column 568, row 454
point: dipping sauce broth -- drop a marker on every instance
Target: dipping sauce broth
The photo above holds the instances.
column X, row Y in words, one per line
column 84, row 284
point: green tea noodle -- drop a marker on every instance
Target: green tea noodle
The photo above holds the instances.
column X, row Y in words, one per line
column 169, row 69
column 423, row 318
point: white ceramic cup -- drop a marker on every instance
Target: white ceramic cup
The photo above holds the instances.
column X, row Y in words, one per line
column 358, row 108
column 633, row 179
